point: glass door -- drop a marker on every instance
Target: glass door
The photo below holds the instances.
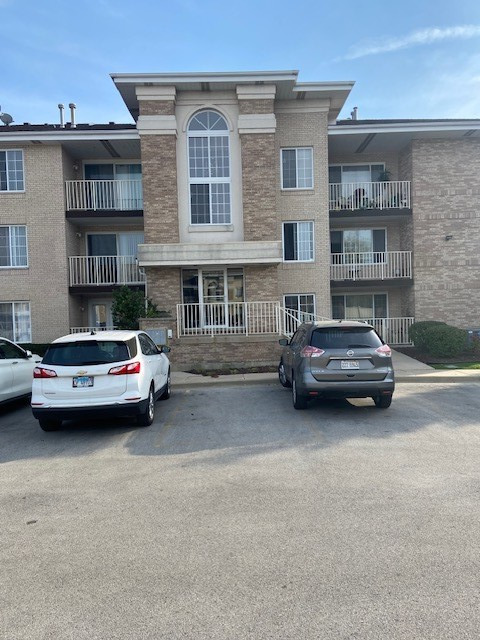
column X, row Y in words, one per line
column 215, row 307
column 100, row 314
column 102, row 262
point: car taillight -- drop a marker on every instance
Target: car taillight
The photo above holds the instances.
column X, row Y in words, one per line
column 124, row 369
column 311, row 352
column 40, row 372
column 384, row 351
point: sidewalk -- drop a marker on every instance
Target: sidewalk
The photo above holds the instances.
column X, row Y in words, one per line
column 406, row 370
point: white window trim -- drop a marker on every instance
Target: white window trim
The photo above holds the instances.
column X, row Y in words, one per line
column 296, row 169
column 225, row 270
column 312, row 259
column 286, row 295
column 13, row 303
column 7, row 190
column 23, row 266
column 209, row 134
column 362, row 293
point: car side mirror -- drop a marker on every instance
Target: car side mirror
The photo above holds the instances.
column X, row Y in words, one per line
column 165, row 349
column 283, row 342
column 29, row 354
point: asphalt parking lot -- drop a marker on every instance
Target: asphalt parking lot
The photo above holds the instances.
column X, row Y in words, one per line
column 235, row 516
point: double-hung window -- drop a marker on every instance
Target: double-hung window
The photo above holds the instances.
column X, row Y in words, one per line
column 11, row 170
column 15, row 321
column 298, row 241
column 13, row 246
column 297, row 168
column 209, row 169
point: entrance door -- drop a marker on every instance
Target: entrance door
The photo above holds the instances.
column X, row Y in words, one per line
column 214, row 298
column 100, row 313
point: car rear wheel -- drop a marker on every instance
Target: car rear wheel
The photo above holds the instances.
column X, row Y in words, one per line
column 299, row 401
column 168, row 388
column 145, row 419
column 282, row 376
column 383, row 402
column 48, row 424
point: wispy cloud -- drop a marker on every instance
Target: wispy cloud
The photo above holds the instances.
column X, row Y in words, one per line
column 414, row 39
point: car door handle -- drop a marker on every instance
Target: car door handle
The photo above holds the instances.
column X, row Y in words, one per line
column 16, row 362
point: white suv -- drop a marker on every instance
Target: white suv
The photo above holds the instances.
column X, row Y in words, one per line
column 110, row 373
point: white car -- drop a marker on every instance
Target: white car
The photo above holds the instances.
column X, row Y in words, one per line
column 110, row 373
column 16, row 366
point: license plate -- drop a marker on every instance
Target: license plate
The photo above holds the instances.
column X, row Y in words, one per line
column 83, row 381
column 349, row 364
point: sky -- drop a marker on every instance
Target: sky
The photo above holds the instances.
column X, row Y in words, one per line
column 409, row 59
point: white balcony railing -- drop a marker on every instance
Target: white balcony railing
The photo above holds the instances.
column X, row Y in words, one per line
column 239, row 318
column 104, row 270
column 352, row 196
column 90, row 329
column 229, row 318
column 394, row 331
column 104, row 195
column 371, row 265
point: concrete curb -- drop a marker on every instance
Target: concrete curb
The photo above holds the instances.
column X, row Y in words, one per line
column 248, row 379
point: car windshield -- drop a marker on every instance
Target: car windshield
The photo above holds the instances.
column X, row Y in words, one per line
column 345, row 338
column 83, row 352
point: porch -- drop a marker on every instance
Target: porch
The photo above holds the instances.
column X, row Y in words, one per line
column 267, row 318
column 104, row 195
column 355, row 196
column 98, row 271
column 371, row 265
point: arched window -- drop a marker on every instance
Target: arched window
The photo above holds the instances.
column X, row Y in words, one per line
column 209, row 168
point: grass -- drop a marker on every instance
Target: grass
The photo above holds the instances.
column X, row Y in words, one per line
column 456, row 365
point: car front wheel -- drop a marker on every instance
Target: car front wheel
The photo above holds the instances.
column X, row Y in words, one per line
column 145, row 419
column 299, row 401
column 282, row 376
column 383, row 402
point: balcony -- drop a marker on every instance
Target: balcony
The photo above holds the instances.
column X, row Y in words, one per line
column 369, row 196
column 228, row 318
column 101, row 271
column 394, row 331
column 371, row 265
column 104, row 195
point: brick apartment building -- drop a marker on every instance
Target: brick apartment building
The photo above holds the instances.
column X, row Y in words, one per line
column 240, row 204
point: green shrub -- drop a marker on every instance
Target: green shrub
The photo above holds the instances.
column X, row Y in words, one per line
column 127, row 307
column 444, row 341
column 418, row 331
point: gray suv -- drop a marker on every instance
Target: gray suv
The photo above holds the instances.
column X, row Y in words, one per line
column 337, row 359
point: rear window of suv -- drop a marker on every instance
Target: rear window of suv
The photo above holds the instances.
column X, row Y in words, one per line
column 345, row 338
column 83, row 352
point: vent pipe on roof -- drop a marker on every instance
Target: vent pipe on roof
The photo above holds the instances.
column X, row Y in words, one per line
column 62, row 121
column 354, row 113
column 72, row 106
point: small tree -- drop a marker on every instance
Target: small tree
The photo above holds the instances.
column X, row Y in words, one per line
column 128, row 306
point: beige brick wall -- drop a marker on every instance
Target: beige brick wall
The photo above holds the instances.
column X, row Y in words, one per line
column 262, row 105
column 306, row 130
column 446, row 201
column 160, row 200
column 258, row 184
column 42, row 208
column 156, row 107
